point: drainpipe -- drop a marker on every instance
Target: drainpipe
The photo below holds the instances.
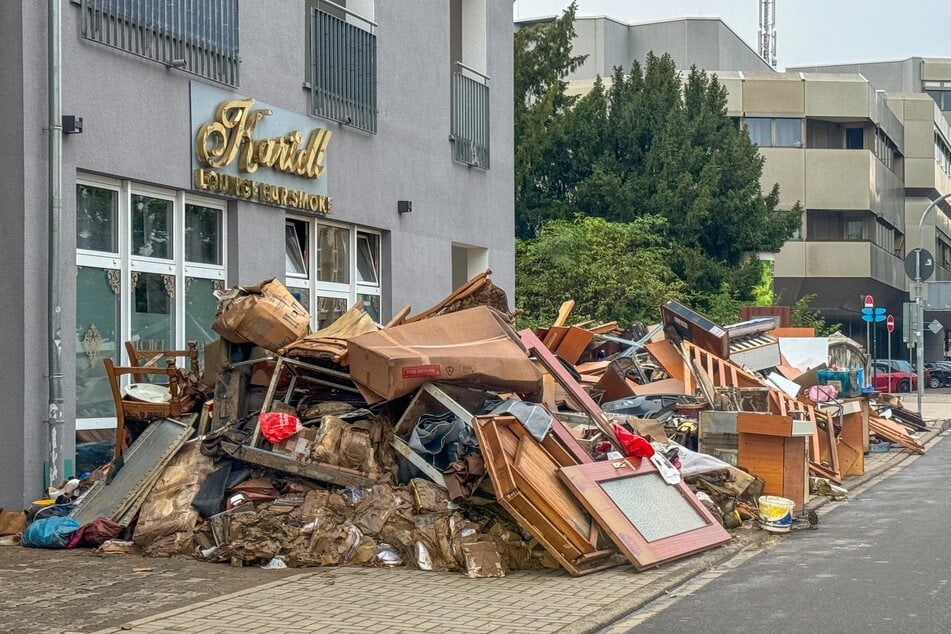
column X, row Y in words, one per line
column 54, row 309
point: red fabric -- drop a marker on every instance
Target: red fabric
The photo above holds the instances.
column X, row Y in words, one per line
column 632, row 444
column 277, row 426
column 95, row 533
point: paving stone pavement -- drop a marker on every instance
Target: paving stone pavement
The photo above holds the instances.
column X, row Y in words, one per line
column 403, row 600
column 70, row 590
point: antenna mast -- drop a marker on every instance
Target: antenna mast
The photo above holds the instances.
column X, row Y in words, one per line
column 766, row 38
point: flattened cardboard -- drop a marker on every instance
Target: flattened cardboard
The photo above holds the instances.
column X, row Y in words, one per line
column 298, row 446
column 266, row 314
column 475, row 346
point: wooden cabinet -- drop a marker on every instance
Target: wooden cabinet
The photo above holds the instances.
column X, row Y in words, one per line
column 782, row 461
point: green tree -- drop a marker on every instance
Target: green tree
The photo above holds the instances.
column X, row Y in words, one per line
column 542, row 60
column 803, row 315
column 613, row 271
column 650, row 142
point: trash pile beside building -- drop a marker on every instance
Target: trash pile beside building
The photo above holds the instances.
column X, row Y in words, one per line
column 450, row 441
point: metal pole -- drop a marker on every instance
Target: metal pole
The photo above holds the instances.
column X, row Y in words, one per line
column 875, row 348
column 919, row 305
column 868, row 346
column 889, row 360
column 54, row 309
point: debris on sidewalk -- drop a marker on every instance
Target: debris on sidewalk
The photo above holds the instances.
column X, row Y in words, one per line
column 450, row 441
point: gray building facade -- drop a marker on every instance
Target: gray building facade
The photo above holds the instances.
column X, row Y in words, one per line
column 708, row 43
column 415, row 97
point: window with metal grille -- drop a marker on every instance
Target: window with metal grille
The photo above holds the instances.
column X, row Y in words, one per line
column 195, row 36
column 343, row 65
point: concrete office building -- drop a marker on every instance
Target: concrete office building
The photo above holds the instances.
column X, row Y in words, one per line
column 859, row 146
column 381, row 169
column 918, row 90
column 705, row 42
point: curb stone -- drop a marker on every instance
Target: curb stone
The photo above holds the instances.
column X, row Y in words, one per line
column 707, row 561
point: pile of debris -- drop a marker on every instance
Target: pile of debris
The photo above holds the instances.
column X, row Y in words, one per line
column 449, row 441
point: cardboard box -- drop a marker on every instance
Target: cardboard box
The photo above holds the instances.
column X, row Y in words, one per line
column 299, row 445
column 475, row 347
column 266, row 315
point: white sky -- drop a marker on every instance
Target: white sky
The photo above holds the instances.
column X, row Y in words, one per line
column 808, row 31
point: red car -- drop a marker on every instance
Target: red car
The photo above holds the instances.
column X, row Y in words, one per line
column 899, row 377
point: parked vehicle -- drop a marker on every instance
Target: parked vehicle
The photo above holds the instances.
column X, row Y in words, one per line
column 939, row 374
column 900, row 376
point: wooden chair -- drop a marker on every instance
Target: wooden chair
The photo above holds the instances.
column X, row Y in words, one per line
column 151, row 358
column 182, row 398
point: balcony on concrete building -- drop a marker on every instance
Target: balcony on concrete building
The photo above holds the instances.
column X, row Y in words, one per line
column 822, row 178
column 839, row 273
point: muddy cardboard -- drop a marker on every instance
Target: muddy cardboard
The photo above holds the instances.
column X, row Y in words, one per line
column 473, row 346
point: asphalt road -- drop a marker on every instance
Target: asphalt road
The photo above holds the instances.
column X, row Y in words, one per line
column 879, row 563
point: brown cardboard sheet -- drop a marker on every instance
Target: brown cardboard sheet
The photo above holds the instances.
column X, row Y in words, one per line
column 475, row 346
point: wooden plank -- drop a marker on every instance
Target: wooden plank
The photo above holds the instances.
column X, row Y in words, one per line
column 399, row 317
column 666, row 356
column 604, row 329
column 792, row 332
column 795, row 471
column 537, row 476
column 554, row 336
column 772, row 425
column 664, row 386
column 573, row 344
column 563, row 312
column 851, row 460
column 592, row 367
column 613, row 385
column 554, row 367
column 311, row 470
column 894, row 433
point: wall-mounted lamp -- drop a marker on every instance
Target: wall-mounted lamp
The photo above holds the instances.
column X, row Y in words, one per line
column 72, row 124
column 404, row 206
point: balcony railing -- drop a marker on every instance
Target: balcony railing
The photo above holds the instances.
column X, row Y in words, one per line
column 343, row 81
column 470, row 118
column 196, row 36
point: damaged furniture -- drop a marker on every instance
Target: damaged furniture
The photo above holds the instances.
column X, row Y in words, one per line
column 180, row 399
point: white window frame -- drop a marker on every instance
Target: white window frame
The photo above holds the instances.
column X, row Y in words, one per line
column 349, row 291
column 127, row 263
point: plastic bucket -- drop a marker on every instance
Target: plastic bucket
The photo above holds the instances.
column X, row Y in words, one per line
column 775, row 513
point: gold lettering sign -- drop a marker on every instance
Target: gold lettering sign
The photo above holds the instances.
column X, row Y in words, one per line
column 247, row 189
column 230, row 137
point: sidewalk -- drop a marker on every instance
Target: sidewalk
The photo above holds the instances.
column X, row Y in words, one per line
column 405, row 600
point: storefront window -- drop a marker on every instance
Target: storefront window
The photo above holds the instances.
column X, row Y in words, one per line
column 329, row 309
column 371, row 304
column 295, row 245
column 333, row 255
column 96, row 224
column 202, row 234
column 200, row 309
column 152, row 227
column 346, row 267
column 136, row 282
column 153, row 314
column 368, row 258
column 97, row 326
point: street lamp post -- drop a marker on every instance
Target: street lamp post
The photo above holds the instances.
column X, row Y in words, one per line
column 919, row 305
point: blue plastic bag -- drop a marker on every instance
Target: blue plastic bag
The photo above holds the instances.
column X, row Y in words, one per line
column 50, row 532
